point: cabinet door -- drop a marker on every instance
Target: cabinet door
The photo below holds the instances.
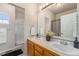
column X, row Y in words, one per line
column 49, row 53
column 39, row 49
column 31, row 52
column 30, row 48
column 37, row 53
column 46, row 53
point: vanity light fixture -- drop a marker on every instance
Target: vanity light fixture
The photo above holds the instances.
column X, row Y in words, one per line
column 49, row 4
column 46, row 5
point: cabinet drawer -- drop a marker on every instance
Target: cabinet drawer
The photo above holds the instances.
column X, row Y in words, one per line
column 46, row 53
column 37, row 53
column 53, row 53
column 39, row 49
column 49, row 53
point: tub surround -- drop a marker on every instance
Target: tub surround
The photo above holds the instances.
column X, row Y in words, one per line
column 55, row 46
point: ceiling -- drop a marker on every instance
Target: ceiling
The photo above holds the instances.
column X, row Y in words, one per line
column 54, row 8
column 62, row 8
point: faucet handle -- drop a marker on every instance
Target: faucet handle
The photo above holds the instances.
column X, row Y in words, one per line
column 63, row 42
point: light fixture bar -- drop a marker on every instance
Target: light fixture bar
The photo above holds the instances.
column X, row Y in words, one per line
column 46, row 6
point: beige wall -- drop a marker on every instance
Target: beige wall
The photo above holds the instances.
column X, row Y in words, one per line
column 30, row 20
column 31, row 17
column 63, row 13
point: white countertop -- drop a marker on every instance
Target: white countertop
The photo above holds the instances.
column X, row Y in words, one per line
column 64, row 50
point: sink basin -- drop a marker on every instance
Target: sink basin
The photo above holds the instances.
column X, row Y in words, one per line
column 66, row 49
column 61, row 47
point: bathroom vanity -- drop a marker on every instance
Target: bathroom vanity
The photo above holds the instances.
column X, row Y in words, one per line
column 41, row 47
column 35, row 49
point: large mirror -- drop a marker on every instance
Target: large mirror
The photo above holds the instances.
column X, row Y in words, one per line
column 58, row 18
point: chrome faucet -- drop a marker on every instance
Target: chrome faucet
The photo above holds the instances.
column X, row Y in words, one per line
column 63, row 42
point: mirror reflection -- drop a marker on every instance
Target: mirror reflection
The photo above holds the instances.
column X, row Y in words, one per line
column 61, row 19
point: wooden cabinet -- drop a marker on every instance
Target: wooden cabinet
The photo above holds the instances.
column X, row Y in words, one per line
column 37, row 53
column 37, row 50
column 30, row 48
column 49, row 53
